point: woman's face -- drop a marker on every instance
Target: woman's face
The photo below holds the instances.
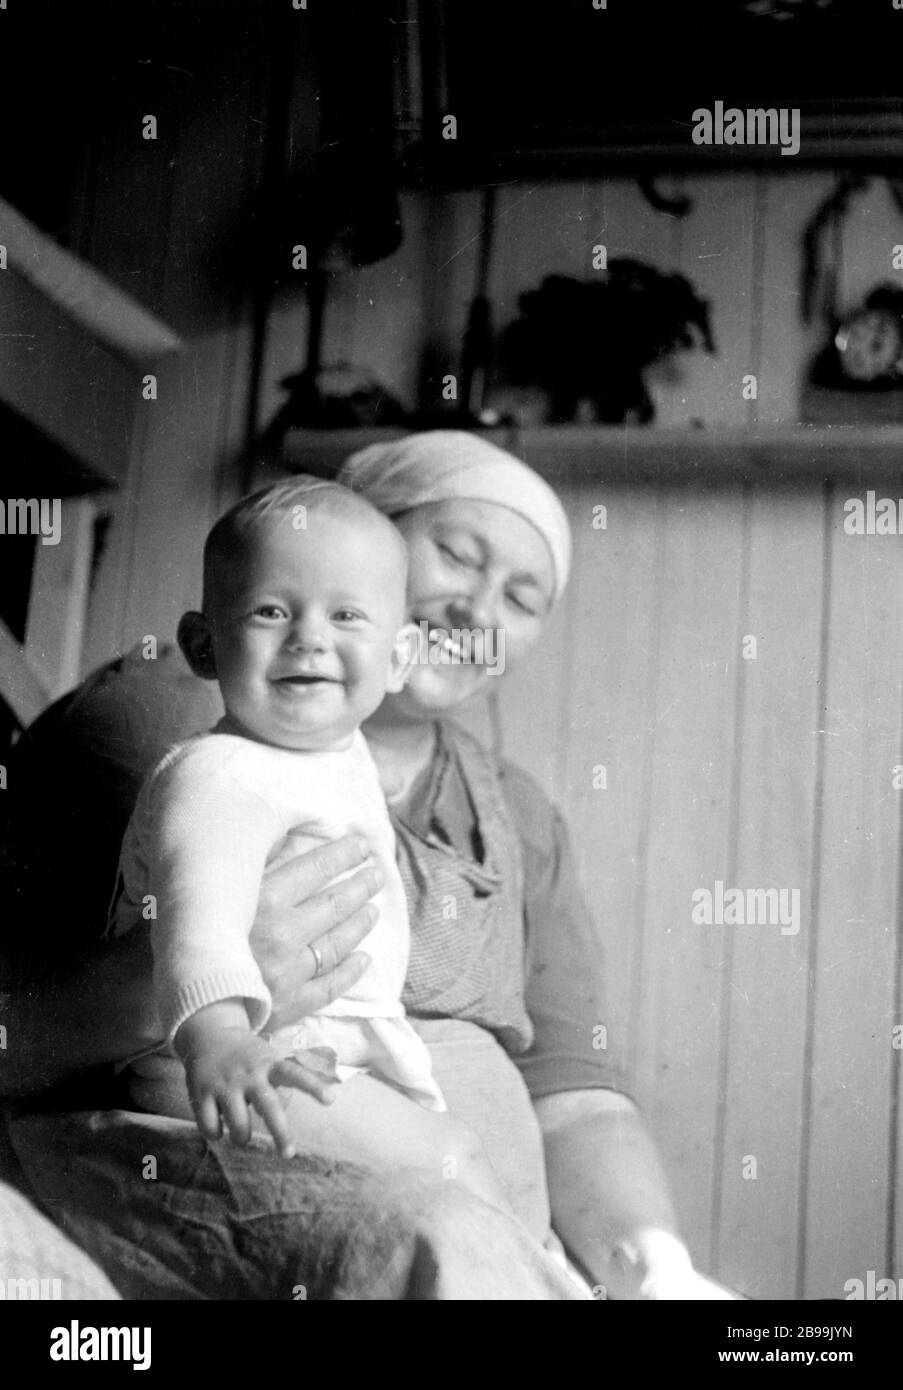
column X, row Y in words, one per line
column 473, row 565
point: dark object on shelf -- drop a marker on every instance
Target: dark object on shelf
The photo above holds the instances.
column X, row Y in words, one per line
column 864, row 351
column 820, row 263
column 338, row 397
column 590, row 340
column 819, row 274
column 677, row 206
column 857, row 376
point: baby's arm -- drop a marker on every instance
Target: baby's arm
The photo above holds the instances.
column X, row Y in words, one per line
column 228, row 1068
column 209, row 834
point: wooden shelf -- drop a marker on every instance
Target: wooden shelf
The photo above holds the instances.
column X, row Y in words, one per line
column 778, row 455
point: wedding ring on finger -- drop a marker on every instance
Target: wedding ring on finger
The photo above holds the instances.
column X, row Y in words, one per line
column 318, row 960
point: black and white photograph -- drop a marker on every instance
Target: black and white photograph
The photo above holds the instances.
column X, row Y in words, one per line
column 451, row 664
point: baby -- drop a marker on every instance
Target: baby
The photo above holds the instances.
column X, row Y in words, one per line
column 304, row 628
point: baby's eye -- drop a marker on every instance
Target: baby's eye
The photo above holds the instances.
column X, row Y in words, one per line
column 347, row 615
column 269, row 611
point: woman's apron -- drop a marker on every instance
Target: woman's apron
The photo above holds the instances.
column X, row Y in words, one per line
column 465, row 986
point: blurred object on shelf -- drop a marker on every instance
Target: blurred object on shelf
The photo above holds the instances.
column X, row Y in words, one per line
column 864, row 351
column 578, row 351
column 857, row 376
column 337, row 397
column 856, row 373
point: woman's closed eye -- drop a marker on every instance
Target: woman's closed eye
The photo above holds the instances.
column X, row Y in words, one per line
column 524, row 605
column 458, row 555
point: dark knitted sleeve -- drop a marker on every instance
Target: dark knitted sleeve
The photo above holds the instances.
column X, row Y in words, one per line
column 564, row 967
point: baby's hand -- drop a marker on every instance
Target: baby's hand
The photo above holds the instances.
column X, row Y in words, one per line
column 229, row 1068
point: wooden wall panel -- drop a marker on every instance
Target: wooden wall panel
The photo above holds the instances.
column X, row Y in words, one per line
column 543, row 685
column 610, row 685
column 787, row 343
column 854, row 956
column 550, row 229
column 386, row 316
column 747, row 1042
column 182, row 465
column 57, row 607
column 766, row 984
column 678, row 1022
column 56, row 375
column 895, row 1176
column 871, row 229
column 716, row 254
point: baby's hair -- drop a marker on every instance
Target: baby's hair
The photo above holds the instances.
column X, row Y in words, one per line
column 254, row 513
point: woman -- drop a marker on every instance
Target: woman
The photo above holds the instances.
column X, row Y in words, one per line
column 503, row 982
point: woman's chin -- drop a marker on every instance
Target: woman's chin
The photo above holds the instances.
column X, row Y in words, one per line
column 435, row 690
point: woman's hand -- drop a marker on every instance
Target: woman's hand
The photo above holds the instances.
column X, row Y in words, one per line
column 301, row 905
column 659, row 1267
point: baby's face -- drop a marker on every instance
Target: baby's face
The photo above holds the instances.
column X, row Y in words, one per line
column 304, row 631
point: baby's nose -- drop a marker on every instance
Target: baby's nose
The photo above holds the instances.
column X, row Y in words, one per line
column 307, row 635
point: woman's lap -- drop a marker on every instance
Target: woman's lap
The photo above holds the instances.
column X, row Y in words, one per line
column 484, row 1088
column 170, row 1217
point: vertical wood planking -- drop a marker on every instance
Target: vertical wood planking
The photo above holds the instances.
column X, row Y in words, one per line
column 451, row 249
column 385, row 309
column 787, row 343
column 612, row 681
column 678, row 1027
column 870, row 230
column 57, row 375
column 545, row 229
column 716, row 241
column 854, row 956
column 185, row 444
column 178, row 487
column 19, row 685
column 57, row 608
column 762, row 1049
column 894, row 1258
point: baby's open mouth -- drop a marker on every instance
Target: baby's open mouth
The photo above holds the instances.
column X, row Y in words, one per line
column 307, row 680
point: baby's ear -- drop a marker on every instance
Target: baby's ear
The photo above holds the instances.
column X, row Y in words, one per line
column 405, row 652
column 196, row 642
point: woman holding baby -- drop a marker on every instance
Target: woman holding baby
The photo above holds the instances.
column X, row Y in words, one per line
column 503, row 986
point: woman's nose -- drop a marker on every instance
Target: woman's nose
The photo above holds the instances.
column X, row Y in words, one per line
column 473, row 609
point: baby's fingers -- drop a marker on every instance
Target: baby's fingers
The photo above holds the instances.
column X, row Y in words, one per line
column 237, row 1119
column 206, row 1112
column 317, row 1078
column 269, row 1107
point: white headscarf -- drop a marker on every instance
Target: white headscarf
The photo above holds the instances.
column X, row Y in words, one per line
column 446, row 465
